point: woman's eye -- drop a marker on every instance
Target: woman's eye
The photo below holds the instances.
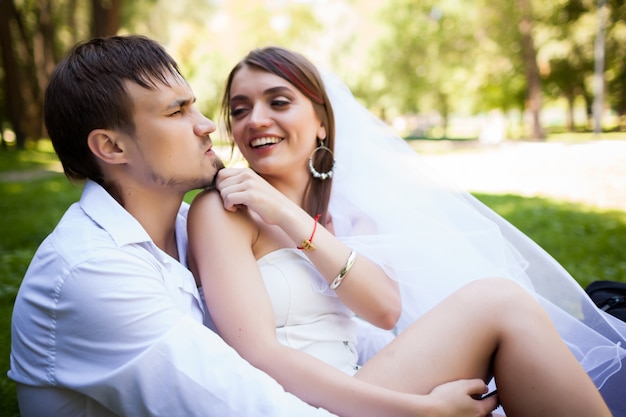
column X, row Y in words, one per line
column 237, row 111
column 279, row 102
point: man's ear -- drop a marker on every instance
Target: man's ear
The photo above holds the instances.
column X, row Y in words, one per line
column 106, row 146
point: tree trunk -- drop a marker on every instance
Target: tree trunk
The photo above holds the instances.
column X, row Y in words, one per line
column 444, row 109
column 27, row 45
column 44, row 57
column 621, row 104
column 571, row 126
column 533, row 76
column 588, row 109
column 9, row 21
column 106, row 17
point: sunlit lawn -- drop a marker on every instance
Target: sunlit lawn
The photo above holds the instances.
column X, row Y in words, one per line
column 588, row 242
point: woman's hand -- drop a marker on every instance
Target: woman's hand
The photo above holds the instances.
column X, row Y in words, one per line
column 458, row 398
column 242, row 187
column 452, row 399
column 368, row 292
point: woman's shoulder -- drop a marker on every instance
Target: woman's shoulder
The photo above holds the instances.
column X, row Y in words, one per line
column 208, row 199
column 207, row 212
column 208, row 202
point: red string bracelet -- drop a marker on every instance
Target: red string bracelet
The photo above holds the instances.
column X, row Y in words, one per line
column 307, row 244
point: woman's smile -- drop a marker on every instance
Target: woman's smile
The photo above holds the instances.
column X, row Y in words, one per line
column 265, row 141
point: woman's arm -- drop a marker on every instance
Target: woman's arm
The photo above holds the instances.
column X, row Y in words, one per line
column 366, row 289
column 221, row 256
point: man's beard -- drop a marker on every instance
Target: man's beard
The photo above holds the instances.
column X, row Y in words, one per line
column 218, row 164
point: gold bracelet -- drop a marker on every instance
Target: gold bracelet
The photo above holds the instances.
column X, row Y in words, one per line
column 346, row 268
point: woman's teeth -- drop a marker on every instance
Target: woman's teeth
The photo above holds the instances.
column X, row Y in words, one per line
column 264, row 141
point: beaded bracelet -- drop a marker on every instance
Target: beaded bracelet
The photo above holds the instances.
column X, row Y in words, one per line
column 337, row 281
column 307, row 244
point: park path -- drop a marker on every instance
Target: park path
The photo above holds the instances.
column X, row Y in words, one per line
column 592, row 173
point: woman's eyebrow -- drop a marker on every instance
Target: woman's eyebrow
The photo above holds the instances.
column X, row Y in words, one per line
column 277, row 89
column 267, row 92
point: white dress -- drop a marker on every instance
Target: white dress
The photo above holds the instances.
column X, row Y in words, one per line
column 433, row 238
column 309, row 316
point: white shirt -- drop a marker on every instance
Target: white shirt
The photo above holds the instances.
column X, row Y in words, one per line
column 105, row 323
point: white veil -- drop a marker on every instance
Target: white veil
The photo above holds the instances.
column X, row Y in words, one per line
column 433, row 238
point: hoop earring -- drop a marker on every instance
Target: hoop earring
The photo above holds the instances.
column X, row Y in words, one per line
column 321, row 175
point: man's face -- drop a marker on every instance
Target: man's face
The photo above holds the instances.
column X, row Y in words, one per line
column 171, row 146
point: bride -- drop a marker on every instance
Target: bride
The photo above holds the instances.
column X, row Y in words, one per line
column 337, row 217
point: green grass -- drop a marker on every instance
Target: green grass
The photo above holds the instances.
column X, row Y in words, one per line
column 588, row 242
column 37, row 155
column 29, row 212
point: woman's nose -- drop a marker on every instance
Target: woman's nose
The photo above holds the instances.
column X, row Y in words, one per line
column 259, row 117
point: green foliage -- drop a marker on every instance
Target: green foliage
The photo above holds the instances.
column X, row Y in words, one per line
column 208, row 38
column 449, row 56
column 399, row 56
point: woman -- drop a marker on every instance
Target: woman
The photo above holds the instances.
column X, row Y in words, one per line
column 287, row 301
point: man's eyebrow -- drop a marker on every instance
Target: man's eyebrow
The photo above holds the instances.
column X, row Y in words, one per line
column 181, row 102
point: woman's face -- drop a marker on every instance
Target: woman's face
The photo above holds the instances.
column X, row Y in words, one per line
column 273, row 124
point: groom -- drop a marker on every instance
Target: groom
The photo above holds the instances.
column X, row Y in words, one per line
column 108, row 320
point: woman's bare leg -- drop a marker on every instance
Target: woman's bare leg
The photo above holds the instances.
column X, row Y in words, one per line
column 491, row 325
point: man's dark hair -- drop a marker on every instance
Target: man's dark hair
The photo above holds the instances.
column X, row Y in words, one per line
column 86, row 92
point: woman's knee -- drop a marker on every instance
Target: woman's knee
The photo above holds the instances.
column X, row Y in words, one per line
column 499, row 294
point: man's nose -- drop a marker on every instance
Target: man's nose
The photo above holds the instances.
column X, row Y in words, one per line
column 204, row 126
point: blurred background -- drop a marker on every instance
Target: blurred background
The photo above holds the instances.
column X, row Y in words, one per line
column 521, row 102
column 431, row 68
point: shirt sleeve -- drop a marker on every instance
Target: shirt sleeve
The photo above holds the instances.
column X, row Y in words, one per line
column 127, row 334
column 201, row 376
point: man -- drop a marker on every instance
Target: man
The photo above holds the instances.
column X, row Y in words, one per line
column 108, row 320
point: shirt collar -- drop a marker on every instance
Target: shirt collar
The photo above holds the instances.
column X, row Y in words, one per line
column 124, row 229
column 103, row 209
